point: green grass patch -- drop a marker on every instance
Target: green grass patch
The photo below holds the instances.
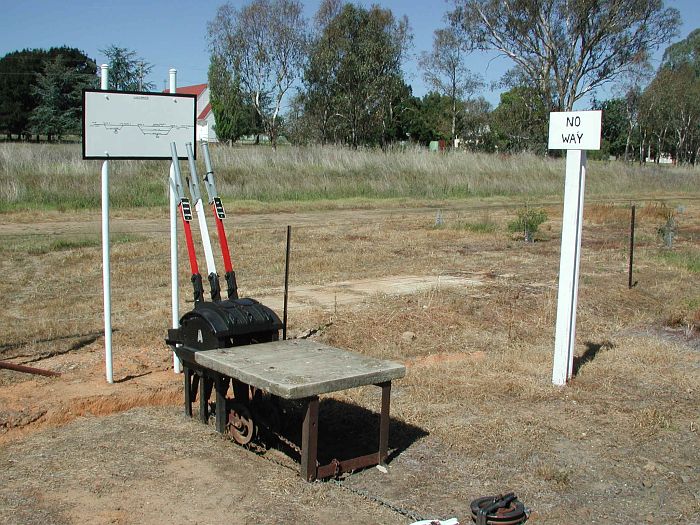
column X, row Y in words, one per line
column 43, row 244
column 477, row 227
column 687, row 259
column 694, row 304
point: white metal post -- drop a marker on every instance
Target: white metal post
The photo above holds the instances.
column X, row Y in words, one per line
column 569, row 263
column 106, row 274
column 175, row 297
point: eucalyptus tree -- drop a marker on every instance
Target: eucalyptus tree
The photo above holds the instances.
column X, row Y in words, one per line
column 234, row 114
column 565, row 48
column 262, row 45
column 354, row 79
column 684, row 52
column 316, row 100
column 445, row 71
column 671, row 112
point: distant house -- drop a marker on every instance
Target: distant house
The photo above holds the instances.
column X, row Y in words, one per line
column 205, row 116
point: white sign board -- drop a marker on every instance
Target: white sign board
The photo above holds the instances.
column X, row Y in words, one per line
column 134, row 125
column 575, row 130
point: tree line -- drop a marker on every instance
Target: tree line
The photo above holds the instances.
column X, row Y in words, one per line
column 342, row 74
column 339, row 77
column 658, row 114
column 41, row 89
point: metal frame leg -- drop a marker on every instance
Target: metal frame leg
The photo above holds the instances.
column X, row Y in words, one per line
column 203, row 400
column 309, row 440
column 187, row 374
column 221, row 412
column 384, row 423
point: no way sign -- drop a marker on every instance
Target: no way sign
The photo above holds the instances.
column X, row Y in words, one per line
column 575, row 130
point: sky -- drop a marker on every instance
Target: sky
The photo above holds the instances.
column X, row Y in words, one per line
column 172, row 33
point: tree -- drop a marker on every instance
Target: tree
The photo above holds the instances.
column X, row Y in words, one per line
column 428, row 118
column 685, row 52
column 444, row 71
column 127, row 71
column 263, row 46
column 473, row 124
column 353, row 79
column 59, row 91
column 19, row 72
column 520, row 120
column 316, row 101
column 567, row 48
column 614, row 128
column 671, row 112
column 234, row 115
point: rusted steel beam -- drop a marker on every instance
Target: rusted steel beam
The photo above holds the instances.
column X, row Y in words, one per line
column 384, row 422
column 28, row 369
column 221, row 386
column 204, row 392
column 337, row 467
column 187, row 374
column 309, row 440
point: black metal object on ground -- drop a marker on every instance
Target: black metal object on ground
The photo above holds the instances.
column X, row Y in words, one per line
column 504, row 509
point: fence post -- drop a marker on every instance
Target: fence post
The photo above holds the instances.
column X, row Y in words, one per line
column 631, row 266
column 106, row 276
column 175, row 293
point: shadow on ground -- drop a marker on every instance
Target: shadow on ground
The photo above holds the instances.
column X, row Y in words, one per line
column 347, row 430
column 589, row 354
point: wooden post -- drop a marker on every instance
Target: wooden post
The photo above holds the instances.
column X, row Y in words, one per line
column 570, row 259
column 576, row 132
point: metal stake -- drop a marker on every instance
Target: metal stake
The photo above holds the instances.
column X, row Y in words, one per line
column 630, row 284
column 286, row 284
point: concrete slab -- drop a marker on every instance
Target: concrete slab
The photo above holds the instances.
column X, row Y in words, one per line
column 296, row 368
column 330, row 295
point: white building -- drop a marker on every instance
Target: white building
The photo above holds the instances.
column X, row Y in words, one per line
column 205, row 116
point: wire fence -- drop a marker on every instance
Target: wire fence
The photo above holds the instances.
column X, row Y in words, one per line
column 64, row 301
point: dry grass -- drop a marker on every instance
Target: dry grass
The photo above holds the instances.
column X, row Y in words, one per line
column 55, row 177
column 479, row 367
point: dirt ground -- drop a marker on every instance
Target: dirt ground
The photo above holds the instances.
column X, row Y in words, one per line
column 466, row 305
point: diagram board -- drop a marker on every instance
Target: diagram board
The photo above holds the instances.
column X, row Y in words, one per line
column 136, row 125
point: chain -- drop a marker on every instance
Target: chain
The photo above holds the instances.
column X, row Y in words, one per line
column 371, row 497
column 289, row 443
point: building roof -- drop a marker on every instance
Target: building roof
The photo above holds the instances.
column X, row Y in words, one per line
column 197, row 89
column 205, row 112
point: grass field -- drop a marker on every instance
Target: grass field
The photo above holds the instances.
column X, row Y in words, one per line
column 476, row 414
column 46, row 176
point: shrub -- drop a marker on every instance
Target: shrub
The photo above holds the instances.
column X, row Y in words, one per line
column 528, row 222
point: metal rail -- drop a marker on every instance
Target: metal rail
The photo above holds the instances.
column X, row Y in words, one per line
column 28, row 369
